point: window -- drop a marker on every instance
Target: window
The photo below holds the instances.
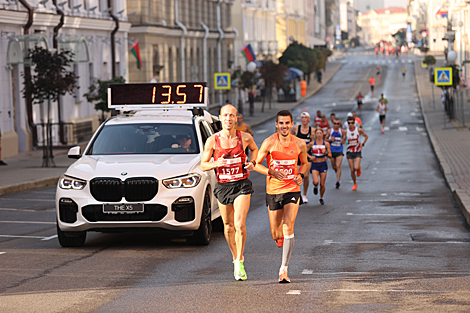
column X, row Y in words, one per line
column 145, row 138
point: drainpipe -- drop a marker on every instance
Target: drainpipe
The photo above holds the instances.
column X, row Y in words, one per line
column 182, row 46
column 235, row 56
column 219, row 45
column 204, row 50
column 113, row 43
column 27, row 76
column 54, row 43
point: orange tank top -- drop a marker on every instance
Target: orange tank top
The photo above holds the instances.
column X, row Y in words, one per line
column 240, row 127
column 283, row 159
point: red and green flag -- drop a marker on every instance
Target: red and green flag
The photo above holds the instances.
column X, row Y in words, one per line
column 134, row 48
column 248, row 53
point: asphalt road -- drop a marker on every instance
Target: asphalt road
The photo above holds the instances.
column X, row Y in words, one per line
column 398, row 243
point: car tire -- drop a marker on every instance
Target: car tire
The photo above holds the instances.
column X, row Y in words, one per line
column 202, row 235
column 67, row 241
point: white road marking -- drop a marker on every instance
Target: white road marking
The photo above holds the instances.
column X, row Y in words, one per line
column 395, row 122
column 374, row 169
column 261, row 131
column 49, row 238
column 377, row 162
column 293, row 292
column 372, row 172
column 2, row 252
column 15, row 236
column 383, row 194
column 387, row 214
column 403, row 128
column 329, row 242
column 386, row 290
column 307, row 272
column 407, row 194
column 413, row 113
column 386, row 128
column 28, row 222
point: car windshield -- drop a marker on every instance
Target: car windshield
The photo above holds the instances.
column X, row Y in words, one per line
column 149, row 138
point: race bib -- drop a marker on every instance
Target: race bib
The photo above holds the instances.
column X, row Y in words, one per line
column 286, row 166
column 233, row 169
column 336, row 142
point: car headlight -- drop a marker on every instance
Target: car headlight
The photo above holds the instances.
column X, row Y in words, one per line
column 186, row 181
column 67, row 182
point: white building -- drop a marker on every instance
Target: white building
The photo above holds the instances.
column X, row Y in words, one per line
column 347, row 18
column 381, row 24
column 316, row 26
column 86, row 29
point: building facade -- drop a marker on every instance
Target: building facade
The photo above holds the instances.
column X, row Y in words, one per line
column 381, row 24
column 182, row 40
column 315, row 15
column 347, row 19
column 86, row 27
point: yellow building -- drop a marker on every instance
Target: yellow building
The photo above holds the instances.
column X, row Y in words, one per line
column 291, row 23
column 381, row 24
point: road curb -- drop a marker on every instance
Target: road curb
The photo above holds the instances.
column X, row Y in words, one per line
column 461, row 196
column 29, row 185
column 299, row 102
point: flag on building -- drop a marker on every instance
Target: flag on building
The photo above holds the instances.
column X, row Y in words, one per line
column 248, row 53
column 440, row 11
column 134, row 48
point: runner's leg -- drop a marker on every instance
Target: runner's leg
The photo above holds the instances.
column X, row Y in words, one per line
column 275, row 223
column 322, row 184
column 227, row 213
column 357, row 164
column 353, row 173
column 290, row 214
column 307, row 180
column 339, row 160
column 241, row 207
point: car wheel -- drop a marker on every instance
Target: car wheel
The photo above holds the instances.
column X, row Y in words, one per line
column 77, row 240
column 202, row 235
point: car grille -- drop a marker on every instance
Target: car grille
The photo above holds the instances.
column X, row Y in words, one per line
column 184, row 212
column 68, row 210
column 152, row 213
column 132, row 189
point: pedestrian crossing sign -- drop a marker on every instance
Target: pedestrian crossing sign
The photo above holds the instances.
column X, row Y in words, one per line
column 222, row 80
column 443, row 76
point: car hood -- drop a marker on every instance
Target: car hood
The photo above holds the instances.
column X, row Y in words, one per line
column 158, row 166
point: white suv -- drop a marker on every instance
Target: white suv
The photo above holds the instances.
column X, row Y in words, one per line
column 141, row 170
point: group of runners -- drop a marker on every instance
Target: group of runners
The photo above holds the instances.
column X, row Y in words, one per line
column 291, row 153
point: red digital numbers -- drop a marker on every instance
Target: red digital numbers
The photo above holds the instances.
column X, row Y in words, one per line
column 159, row 93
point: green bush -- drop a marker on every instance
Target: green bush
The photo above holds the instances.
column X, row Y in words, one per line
column 429, row 60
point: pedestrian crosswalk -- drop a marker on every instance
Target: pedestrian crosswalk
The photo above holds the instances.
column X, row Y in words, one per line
column 377, row 61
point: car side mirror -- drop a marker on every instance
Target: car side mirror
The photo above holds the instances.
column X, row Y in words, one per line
column 74, row 153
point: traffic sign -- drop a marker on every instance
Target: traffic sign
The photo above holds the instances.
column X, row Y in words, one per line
column 222, row 80
column 443, row 76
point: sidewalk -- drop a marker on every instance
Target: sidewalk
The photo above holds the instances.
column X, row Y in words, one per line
column 25, row 171
column 450, row 141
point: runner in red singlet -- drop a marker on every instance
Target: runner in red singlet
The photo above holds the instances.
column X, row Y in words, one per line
column 282, row 150
column 233, row 189
column 354, row 152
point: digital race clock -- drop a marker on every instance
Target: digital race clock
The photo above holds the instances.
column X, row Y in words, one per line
column 157, row 94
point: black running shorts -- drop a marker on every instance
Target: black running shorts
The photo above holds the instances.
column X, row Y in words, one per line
column 381, row 118
column 278, row 201
column 334, row 155
column 353, row 155
column 227, row 193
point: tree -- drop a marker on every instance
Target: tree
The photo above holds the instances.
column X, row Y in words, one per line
column 273, row 74
column 98, row 93
column 51, row 80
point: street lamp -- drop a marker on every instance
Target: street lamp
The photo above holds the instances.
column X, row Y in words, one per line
column 251, row 67
column 451, row 56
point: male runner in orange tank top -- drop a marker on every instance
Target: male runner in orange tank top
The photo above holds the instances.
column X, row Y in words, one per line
column 282, row 150
column 233, row 189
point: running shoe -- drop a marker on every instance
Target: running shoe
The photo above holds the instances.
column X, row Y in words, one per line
column 304, row 199
column 359, row 173
column 354, row 187
column 315, row 190
column 279, row 242
column 337, row 184
column 383, row 131
column 239, row 271
column 283, row 279
column 2, row 163
column 322, row 202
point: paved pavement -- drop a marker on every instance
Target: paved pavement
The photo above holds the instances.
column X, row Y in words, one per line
column 25, row 171
column 450, row 141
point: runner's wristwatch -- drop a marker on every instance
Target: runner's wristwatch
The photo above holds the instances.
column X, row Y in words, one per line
column 301, row 175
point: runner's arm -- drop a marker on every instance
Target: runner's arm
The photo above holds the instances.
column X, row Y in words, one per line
column 303, row 158
column 328, row 149
column 361, row 131
column 206, row 164
column 248, row 129
column 293, row 131
column 250, row 143
column 328, row 135
column 343, row 137
column 262, row 153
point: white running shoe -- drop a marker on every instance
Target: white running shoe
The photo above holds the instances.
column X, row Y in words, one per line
column 304, row 199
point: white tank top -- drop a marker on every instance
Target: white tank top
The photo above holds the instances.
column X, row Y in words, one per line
column 382, row 109
column 353, row 140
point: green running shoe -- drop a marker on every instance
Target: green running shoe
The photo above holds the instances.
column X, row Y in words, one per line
column 239, row 271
